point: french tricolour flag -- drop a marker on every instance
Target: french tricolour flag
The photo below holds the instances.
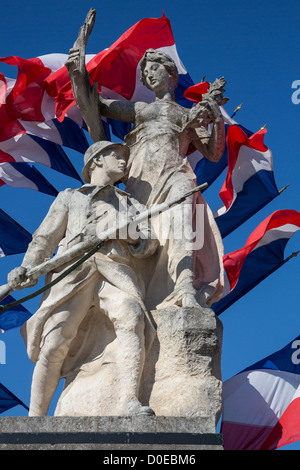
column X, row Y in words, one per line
column 24, row 175
column 117, row 72
column 26, row 107
column 14, row 239
column 261, row 404
column 26, row 98
column 249, row 183
column 262, row 254
column 29, row 130
column 33, row 149
column 39, row 102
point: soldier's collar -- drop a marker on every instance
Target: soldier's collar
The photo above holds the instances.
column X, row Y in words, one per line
column 96, row 188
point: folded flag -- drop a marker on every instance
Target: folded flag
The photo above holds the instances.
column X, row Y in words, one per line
column 14, row 238
column 9, row 400
column 262, row 254
column 66, row 133
column 249, row 183
column 261, row 404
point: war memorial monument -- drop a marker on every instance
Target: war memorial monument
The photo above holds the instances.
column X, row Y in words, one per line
column 130, row 327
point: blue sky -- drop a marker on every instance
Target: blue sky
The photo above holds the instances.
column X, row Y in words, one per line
column 255, row 46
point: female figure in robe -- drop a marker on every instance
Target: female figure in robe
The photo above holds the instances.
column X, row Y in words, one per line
column 158, row 170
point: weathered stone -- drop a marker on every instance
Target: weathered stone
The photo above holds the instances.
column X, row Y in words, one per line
column 181, row 377
column 94, row 326
column 186, row 364
column 106, row 433
column 103, row 295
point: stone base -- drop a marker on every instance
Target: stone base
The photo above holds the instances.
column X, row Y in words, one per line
column 107, row 433
column 181, row 377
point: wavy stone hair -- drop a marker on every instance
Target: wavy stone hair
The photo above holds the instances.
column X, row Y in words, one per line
column 153, row 55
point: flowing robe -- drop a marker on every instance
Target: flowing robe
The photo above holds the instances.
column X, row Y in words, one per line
column 158, row 170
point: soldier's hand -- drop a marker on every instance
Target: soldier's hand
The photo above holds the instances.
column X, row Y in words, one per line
column 17, row 279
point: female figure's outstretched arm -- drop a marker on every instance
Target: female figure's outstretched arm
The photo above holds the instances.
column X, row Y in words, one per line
column 90, row 103
column 85, row 95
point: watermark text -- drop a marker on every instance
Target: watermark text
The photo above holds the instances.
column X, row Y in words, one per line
column 296, row 94
column 2, row 353
column 296, row 354
column 184, row 223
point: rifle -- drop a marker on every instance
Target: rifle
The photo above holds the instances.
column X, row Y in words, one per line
column 86, row 248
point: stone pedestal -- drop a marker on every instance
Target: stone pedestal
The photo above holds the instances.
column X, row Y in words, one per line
column 181, row 377
column 181, row 381
column 107, row 434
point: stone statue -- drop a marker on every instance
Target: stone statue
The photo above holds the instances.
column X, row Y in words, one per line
column 131, row 330
column 158, row 170
column 106, row 284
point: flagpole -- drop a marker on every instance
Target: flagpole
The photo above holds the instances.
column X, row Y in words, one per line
column 293, row 255
column 283, row 189
column 236, row 110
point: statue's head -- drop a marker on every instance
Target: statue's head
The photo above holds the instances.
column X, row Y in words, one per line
column 161, row 58
column 114, row 154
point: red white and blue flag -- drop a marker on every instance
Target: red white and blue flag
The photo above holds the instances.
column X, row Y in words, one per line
column 121, row 59
column 24, row 175
column 14, row 239
column 250, row 183
column 29, row 131
column 30, row 148
column 26, row 100
column 38, row 114
column 38, row 105
column 261, row 404
column 262, row 254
